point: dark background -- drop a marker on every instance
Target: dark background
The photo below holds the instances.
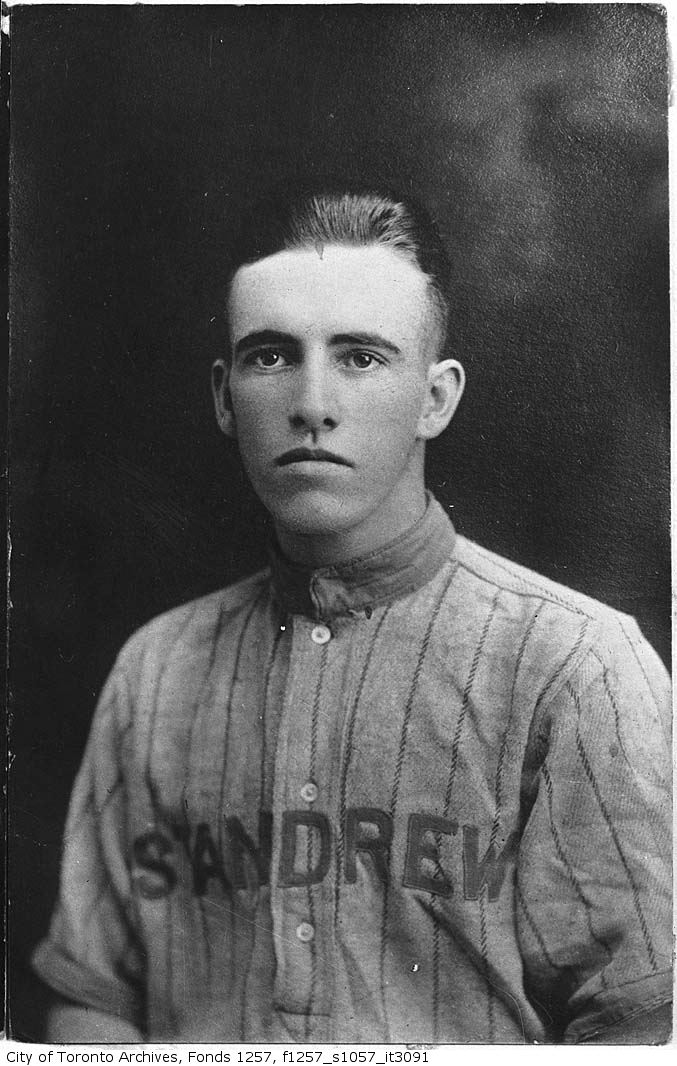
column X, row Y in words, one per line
column 537, row 136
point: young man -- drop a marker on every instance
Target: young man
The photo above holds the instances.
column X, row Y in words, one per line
column 396, row 788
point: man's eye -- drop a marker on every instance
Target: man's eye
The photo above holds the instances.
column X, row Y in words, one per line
column 267, row 358
column 362, row 360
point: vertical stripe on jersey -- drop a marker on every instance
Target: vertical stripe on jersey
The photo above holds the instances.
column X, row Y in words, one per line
column 651, row 769
column 197, row 703
column 263, row 779
column 535, row 931
column 148, row 777
column 436, row 975
column 270, row 666
column 155, row 807
column 465, row 703
column 104, row 814
column 571, row 875
column 218, row 628
column 400, row 761
column 99, row 897
column 309, row 849
column 614, row 706
column 98, row 813
column 508, row 729
column 466, row 700
column 485, row 963
column 343, row 771
column 226, row 746
column 229, row 707
column 316, row 711
column 612, row 830
column 562, row 667
column 639, row 662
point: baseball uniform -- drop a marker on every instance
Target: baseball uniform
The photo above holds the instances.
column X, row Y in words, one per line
column 420, row 797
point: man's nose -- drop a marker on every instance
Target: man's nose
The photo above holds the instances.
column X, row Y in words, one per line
column 314, row 401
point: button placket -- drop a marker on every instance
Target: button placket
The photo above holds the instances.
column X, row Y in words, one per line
column 301, row 912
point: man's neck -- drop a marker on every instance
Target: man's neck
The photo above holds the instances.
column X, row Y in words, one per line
column 333, row 548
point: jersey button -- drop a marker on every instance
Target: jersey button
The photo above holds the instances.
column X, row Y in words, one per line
column 305, row 932
column 310, row 792
column 320, row 634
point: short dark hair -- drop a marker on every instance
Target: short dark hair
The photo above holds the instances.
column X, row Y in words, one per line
column 358, row 217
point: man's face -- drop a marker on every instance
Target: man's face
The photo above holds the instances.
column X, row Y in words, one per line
column 333, row 352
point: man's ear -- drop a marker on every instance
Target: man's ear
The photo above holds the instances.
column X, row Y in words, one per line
column 445, row 384
column 222, row 401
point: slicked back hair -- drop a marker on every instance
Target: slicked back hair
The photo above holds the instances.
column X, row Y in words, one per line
column 352, row 218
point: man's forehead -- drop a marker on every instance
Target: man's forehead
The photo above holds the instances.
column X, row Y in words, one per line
column 331, row 281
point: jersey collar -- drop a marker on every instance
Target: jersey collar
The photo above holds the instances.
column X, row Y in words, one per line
column 360, row 585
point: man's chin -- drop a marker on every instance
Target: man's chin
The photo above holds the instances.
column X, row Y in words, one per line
column 314, row 514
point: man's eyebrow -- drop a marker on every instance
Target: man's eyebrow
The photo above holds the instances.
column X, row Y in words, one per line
column 373, row 339
column 263, row 336
column 271, row 336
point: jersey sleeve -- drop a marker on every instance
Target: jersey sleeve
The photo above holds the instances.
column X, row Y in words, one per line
column 593, row 886
column 92, row 954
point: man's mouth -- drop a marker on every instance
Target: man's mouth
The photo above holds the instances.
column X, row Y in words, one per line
column 310, row 455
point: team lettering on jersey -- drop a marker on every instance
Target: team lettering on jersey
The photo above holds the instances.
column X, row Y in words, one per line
column 236, row 862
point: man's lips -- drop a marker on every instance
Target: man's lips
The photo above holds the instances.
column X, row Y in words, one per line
column 312, row 455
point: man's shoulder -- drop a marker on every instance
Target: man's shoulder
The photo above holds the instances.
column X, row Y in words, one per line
column 499, row 574
column 192, row 625
column 564, row 627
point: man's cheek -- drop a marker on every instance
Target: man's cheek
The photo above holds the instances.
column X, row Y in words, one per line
column 256, row 425
column 399, row 419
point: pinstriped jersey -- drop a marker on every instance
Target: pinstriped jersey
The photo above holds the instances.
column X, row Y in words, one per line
column 422, row 797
